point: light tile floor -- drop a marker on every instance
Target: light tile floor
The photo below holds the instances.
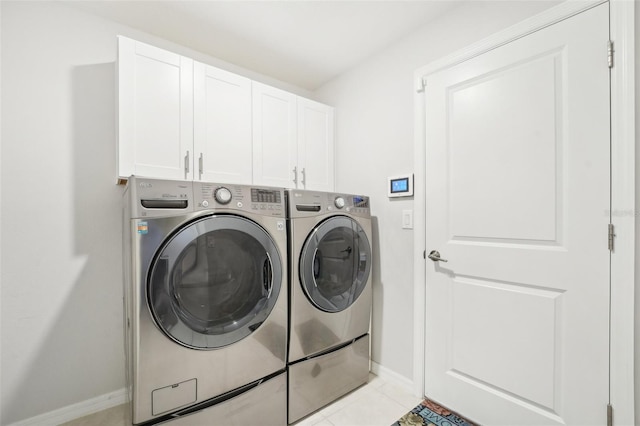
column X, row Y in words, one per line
column 378, row 403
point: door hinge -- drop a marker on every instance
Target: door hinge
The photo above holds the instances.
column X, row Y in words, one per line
column 612, row 235
column 610, row 53
column 609, row 415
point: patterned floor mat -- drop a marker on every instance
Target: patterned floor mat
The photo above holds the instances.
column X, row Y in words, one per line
column 428, row 413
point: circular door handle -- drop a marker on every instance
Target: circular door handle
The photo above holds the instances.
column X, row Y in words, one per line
column 435, row 256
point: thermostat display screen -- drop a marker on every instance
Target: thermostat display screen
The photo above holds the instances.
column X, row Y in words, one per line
column 399, row 185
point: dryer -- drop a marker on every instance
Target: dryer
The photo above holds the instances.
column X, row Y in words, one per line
column 330, row 293
column 205, row 302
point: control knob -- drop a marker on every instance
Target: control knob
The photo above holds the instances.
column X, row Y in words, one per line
column 339, row 202
column 222, row 195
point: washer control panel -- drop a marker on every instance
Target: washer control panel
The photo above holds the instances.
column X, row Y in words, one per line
column 261, row 200
column 304, row 203
column 353, row 204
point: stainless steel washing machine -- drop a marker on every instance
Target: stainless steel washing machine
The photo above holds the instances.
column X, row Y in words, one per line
column 205, row 303
column 330, row 293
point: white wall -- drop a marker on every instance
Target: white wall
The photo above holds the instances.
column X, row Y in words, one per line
column 375, row 122
column 61, row 275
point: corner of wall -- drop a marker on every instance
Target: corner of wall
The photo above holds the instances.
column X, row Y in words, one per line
column 637, row 216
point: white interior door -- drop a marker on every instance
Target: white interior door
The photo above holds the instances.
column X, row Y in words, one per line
column 517, row 169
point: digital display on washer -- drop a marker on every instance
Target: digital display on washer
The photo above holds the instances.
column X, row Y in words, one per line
column 359, row 201
column 265, row 196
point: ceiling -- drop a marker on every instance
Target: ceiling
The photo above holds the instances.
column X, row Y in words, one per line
column 302, row 42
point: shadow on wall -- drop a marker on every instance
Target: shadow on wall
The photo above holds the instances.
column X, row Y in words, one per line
column 378, row 292
column 82, row 356
column 98, row 224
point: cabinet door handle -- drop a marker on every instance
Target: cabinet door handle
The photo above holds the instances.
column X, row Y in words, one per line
column 186, row 165
column 295, row 176
column 304, row 178
column 200, row 167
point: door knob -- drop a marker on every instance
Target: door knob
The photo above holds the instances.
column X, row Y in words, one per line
column 435, row 256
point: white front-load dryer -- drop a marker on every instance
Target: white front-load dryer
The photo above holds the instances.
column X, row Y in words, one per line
column 205, row 302
column 331, row 296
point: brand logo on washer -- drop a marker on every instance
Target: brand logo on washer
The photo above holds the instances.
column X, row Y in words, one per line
column 145, row 185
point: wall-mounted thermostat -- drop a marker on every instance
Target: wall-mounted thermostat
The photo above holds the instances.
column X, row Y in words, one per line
column 400, row 186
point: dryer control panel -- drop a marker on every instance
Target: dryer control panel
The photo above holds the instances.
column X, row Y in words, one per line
column 312, row 203
column 258, row 200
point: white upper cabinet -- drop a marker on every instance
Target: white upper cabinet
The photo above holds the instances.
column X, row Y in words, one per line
column 182, row 119
column 292, row 140
column 155, row 114
column 222, row 126
column 315, row 145
column 275, row 146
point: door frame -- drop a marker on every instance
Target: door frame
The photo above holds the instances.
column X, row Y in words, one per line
column 623, row 175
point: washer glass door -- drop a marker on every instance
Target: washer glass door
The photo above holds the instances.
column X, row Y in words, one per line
column 335, row 263
column 214, row 282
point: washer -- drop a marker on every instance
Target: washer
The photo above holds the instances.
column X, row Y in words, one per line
column 205, row 302
column 330, row 293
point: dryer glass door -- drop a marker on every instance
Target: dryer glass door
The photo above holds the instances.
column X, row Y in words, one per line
column 335, row 263
column 214, row 281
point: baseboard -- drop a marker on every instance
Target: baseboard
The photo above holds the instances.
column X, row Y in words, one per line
column 391, row 376
column 74, row 411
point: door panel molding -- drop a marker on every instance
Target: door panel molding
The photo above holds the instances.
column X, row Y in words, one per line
column 623, row 190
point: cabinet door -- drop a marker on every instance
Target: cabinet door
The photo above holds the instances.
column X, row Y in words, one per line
column 274, row 137
column 315, row 145
column 222, row 126
column 155, row 112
